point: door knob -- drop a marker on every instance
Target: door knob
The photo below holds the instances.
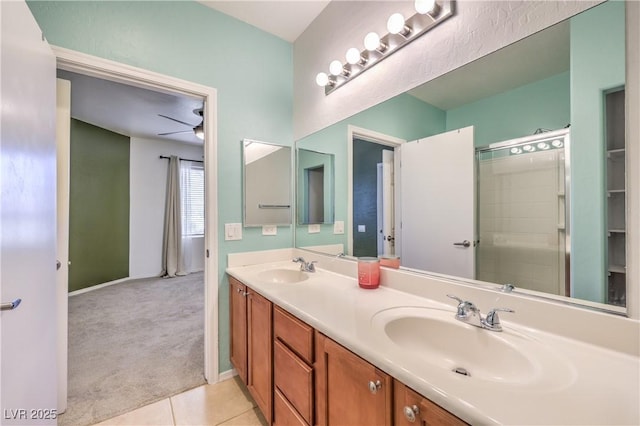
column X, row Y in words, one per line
column 464, row 244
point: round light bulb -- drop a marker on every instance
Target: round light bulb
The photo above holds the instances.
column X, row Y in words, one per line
column 353, row 56
column 371, row 41
column 557, row 143
column 395, row 24
column 322, row 79
column 543, row 145
column 335, row 67
column 516, row 150
column 424, row 6
column 529, row 148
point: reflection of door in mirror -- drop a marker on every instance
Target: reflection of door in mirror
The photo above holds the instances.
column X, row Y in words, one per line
column 437, row 181
column 523, row 213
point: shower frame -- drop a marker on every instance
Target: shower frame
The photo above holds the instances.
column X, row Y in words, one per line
column 564, row 135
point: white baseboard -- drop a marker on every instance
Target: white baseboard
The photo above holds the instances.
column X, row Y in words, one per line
column 95, row 287
column 225, row 375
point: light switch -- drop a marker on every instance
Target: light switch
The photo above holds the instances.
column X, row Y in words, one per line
column 338, row 227
column 232, row 231
column 314, row 229
column 269, row 230
column 362, row 228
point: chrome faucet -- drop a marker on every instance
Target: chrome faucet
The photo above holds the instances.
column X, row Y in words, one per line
column 305, row 266
column 469, row 313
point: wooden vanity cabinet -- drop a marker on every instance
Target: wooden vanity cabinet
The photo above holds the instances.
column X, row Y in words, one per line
column 411, row 409
column 238, row 327
column 251, row 343
column 349, row 390
column 293, row 370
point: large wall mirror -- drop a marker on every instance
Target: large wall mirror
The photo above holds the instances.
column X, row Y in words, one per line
column 267, row 183
column 546, row 161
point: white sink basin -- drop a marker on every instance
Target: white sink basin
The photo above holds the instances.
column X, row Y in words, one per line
column 436, row 337
column 283, row 276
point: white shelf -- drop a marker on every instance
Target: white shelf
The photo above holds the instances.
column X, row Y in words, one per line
column 618, row 269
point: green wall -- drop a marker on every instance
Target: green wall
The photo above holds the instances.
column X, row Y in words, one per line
column 597, row 65
column 516, row 113
column 251, row 70
column 403, row 116
column 98, row 206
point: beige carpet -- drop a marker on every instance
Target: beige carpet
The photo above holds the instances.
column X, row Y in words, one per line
column 133, row 343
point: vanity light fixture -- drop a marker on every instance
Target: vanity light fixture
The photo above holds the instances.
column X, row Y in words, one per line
column 372, row 42
column 354, row 57
column 397, row 25
column 429, row 13
column 336, row 68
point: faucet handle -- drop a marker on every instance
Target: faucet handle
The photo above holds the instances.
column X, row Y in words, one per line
column 455, row 297
column 464, row 307
column 311, row 266
column 492, row 320
column 298, row 259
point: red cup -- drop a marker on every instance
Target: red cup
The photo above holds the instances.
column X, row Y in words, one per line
column 368, row 272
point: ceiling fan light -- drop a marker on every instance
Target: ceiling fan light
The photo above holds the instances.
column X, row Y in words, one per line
column 199, row 132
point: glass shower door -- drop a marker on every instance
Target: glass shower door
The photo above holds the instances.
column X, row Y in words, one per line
column 522, row 213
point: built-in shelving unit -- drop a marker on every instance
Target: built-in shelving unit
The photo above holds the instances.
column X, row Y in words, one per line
column 616, row 198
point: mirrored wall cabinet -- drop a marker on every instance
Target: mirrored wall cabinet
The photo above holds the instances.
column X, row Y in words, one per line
column 267, row 183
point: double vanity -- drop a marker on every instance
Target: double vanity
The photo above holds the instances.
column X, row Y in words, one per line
column 314, row 348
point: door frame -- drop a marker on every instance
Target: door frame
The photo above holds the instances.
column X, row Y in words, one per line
column 94, row 66
column 380, row 139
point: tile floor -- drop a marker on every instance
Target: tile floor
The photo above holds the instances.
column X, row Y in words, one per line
column 225, row 403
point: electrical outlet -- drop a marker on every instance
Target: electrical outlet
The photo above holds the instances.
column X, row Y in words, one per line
column 269, row 230
column 338, row 227
column 314, row 229
column 362, row 228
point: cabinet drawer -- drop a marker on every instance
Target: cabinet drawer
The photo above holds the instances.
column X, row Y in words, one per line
column 294, row 379
column 294, row 333
column 284, row 413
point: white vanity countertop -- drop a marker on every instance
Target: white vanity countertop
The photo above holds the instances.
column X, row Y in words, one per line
column 589, row 384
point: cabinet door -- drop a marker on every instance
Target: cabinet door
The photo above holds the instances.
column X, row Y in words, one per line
column 238, row 326
column 412, row 409
column 259, row 347
column 349, row 390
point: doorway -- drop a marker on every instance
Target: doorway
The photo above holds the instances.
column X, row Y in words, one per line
column 108, row 70
column 370, row 233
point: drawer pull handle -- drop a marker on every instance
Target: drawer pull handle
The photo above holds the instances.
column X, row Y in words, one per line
column 374, row 387
column 410, row 412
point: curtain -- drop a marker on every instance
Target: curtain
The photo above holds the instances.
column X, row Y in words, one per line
column 172, row 246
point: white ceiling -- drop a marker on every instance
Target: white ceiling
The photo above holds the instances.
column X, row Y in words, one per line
column 286, row 19
column 132, row 111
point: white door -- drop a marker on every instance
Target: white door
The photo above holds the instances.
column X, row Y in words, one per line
column 387, row 203
column 437, row 203
column 28, row 371
column 63, row 153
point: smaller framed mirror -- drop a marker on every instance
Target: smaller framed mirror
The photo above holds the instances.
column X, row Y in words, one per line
column 267, row 183
column 315, row 187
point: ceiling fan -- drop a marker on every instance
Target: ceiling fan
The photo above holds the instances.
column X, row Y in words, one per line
column 197, row 129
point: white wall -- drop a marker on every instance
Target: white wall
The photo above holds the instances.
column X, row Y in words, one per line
column 148, row 177
column 476, row 29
